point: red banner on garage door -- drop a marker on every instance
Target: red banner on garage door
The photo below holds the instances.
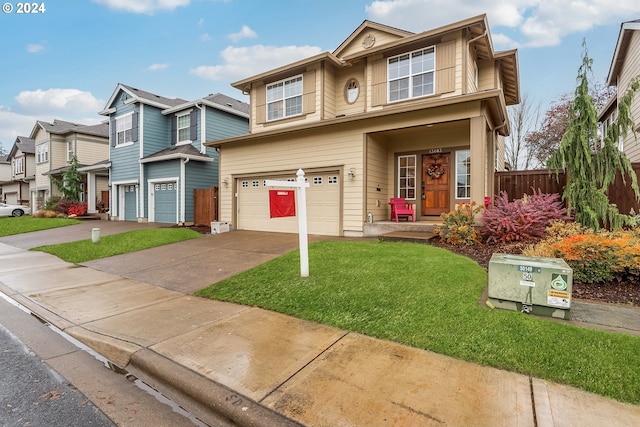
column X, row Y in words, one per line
column 282, row 203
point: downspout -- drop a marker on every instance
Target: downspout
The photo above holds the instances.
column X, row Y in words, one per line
column 203, row 123
column 183, row 188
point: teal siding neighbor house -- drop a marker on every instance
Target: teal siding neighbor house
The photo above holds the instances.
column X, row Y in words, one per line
column 157, row 156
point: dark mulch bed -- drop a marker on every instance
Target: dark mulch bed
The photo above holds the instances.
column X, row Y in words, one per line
column 613, row 292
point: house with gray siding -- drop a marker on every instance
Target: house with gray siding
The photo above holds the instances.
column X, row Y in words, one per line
column 157, row 154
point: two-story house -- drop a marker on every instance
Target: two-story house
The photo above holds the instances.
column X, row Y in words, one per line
column 625, row 66
column 157, row 154
column 5, row 174
column 55, row 145
column 389, row 113
column 22, row 159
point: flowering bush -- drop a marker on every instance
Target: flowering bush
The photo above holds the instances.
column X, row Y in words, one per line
column 594, row 257
column 458, row 226
column 522, row 219
column 73, row 208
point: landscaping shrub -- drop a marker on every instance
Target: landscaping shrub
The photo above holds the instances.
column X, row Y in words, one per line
column 595, row 257
column 458, row 226
column 71, row 208
column 522, row 219
column 45, row 213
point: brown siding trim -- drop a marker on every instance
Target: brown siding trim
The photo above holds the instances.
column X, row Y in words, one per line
column 309, row 92
column 261, row 105
column 379, row 83
column 446, row 67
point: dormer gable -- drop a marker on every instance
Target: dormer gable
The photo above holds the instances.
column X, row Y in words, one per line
column 368, row 35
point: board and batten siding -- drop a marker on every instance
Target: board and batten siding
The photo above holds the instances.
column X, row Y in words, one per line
column 339, row 149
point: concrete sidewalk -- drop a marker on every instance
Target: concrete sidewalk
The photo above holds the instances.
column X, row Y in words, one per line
column 224, row 361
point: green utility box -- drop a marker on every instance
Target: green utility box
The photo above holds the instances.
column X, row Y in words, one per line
column 531, row 284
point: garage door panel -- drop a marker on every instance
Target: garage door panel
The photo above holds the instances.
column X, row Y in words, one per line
column 165, row 208
column 323, row 206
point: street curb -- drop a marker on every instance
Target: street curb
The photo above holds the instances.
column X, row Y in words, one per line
column 206, row 399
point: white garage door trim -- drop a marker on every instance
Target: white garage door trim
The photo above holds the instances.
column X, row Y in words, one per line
column 152, row 202
column 323, row 204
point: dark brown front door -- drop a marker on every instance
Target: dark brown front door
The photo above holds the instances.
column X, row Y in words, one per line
column 435, row 184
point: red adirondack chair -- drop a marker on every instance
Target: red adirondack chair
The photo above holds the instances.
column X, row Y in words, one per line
column 401, row 209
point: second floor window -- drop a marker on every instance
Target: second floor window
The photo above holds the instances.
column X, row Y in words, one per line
column 411, row 75
column 284, row 98
column 18, row 166
column 124, row 126
column 184, row 124
column 42, row 153
column 69, row 150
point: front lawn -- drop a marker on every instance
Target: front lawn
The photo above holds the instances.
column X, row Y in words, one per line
column 427, row 297
column 26, row 224
column 117, row 244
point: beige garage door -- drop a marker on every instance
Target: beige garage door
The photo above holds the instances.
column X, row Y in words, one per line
column 323, row 205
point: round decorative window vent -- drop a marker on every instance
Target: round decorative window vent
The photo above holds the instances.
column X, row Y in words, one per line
column 369, row 41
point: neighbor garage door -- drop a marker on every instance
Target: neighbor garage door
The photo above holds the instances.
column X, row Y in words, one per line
column 166, row 202
column 323, row 205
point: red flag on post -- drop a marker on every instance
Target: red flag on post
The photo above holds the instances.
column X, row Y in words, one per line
column 282, row 203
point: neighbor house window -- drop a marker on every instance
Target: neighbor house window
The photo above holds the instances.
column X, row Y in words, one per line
column 284, row 98
column 18, row 166
column 124, row 129
column 42, row 153
column 411, row 75
column 69, row 150
column 463, row 174
column 184, row 125
column 407, row 177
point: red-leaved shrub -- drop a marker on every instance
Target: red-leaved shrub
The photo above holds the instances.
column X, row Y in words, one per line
column 522, row 219
column 69, row 207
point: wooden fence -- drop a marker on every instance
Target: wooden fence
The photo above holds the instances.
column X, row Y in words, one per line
column 205, row 205
column 518, row 183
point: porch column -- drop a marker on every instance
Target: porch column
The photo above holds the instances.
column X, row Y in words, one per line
column 91, row 192
column 478, row 141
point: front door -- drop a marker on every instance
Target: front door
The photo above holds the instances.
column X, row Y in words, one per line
column 435, row 184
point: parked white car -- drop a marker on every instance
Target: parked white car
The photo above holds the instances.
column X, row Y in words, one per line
column 14, row 210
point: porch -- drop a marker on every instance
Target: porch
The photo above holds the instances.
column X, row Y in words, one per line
column 419, row 231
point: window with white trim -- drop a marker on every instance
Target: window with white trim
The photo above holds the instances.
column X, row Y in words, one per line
column 407, row 177
column 463, row 174
column 333, row 179
column 69, row 150
column 124, row 129
column 184, row 125
column 18, row 165
column 284, row 98
column 42, row 153
column 317, row 180
column 411, row 75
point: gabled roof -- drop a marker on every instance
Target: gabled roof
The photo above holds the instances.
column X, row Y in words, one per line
column 142, row 96
column 185, row 151
column 24, row 144
column 620, row 54
column 218, row 101
column 61, row 127
column 366, row 27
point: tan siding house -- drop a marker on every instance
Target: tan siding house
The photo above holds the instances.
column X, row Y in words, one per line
column 55, row 144
column 625, row 66
column 388, row 114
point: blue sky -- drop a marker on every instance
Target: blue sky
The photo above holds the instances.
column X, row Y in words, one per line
column 65, row 62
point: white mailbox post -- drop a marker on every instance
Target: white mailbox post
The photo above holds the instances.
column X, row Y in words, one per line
column 301, row 198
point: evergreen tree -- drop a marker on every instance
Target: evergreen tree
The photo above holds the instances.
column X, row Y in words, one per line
column 591, row 163
column 70, row 185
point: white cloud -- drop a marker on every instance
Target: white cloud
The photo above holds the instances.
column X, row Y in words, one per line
column 35, row 47
column 144, row 6
column 156, row 67
column 205, row 37
column 244, row 33
column 13, row 125
column 537, row 22
column 58, row 102
column 241, row 62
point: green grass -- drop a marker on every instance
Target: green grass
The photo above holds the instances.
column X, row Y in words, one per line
column 116, row 244
column 25, row 224
column 427, row 297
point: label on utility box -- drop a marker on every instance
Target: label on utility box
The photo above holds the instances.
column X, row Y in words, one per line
column 528, row 283
column 558, row 298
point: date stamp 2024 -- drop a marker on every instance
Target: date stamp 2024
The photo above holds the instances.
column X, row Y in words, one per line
column 24, row 8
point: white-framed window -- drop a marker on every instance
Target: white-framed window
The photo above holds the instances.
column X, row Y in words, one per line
column 407, row 177
column 69, row 150
column 332, row 179
column 42, row 153
column 124, row 129
column 255, row 183
column 284, row 98
column 317, row 180
column 411, row 75
column 245, row 184
column 463, row 174
column 18, row 165
column 184, row 128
